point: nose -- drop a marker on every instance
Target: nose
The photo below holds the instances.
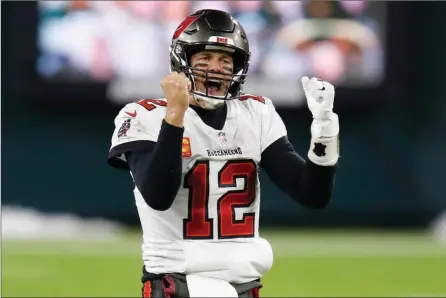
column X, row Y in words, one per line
column 215, row 65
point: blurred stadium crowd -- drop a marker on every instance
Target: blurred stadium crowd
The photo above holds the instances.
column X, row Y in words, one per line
column 335, row 40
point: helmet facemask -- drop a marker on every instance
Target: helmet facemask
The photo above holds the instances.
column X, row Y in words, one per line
column 230, row 84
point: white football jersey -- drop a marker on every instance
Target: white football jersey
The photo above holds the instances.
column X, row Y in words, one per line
column 212, row 227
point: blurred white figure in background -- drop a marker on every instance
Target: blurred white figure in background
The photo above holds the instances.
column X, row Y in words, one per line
column 289, row 11
column 123, row 25
column 218, row 5
column 72, row 37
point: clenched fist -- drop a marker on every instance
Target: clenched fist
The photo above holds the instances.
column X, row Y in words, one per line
column 320, row 97
column 176, row 89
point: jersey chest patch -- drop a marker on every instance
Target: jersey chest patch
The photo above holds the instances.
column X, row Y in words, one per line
column 185, row 148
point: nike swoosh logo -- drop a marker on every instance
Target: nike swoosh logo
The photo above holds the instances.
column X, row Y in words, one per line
column 133, row 115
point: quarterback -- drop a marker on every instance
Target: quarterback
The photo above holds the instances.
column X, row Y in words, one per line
column 194, row 157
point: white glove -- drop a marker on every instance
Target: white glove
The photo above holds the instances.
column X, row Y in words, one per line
column 324, row 147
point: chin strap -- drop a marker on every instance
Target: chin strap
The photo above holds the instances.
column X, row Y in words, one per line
column 208, row 103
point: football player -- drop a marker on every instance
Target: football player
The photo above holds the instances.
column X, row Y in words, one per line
column 195, row 156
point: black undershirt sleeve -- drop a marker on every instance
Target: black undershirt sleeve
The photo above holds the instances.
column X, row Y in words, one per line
column 307, row 183
column 157, row 168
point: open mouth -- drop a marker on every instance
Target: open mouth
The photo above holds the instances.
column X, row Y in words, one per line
column 213, row 85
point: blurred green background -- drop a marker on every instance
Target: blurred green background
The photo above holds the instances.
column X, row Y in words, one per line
column 390, row 186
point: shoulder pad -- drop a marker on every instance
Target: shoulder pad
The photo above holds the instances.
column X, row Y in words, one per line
column 257, row 98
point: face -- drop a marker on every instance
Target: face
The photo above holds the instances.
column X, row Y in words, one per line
column 219, row 62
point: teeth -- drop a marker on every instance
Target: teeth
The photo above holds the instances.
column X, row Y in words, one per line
column 213, row 84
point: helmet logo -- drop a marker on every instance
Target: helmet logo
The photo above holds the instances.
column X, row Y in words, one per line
column 184, row 24
column 222, row 39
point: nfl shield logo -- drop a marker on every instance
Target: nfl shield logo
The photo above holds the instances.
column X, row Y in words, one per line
column 221, row 137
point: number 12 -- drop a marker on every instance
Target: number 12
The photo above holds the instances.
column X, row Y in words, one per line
column 198, row 225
